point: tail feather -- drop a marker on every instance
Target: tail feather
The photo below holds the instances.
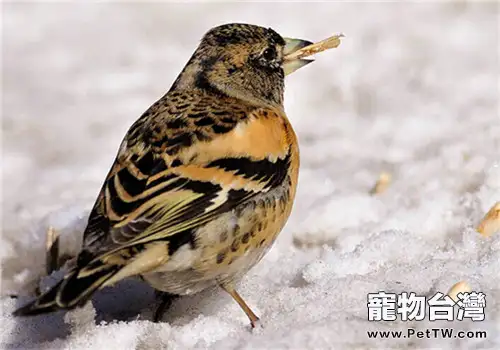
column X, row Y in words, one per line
column 43, row 304
column 74, row 290
column 92, row 273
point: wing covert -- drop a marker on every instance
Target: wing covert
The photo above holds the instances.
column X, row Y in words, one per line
column 159, row 188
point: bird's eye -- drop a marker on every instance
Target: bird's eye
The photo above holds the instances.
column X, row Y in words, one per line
column 269, row 54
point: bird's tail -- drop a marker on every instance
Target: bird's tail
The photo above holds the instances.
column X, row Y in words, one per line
column 74, row 290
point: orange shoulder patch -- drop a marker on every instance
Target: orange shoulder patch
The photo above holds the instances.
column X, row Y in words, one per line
column 265, row 134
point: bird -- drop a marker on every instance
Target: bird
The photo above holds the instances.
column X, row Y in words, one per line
column 203, row 182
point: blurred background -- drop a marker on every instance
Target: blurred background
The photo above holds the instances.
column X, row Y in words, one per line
column 412, row 90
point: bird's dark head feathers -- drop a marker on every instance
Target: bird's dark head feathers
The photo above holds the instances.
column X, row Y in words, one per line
column 241, row 33
column 240, row 60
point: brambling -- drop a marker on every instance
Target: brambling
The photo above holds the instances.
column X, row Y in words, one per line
column 203, row 182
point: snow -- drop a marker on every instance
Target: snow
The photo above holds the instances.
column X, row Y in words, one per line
column 412, row 91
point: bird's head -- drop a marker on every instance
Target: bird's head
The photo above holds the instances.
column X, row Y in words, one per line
column 244, row 61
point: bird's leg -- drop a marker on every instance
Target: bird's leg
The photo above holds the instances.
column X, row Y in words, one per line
column 165, row 300
column 253, row 317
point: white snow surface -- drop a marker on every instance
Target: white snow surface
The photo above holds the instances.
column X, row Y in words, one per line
column 412, row 90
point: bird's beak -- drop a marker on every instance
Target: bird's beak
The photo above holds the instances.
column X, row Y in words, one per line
column 292, row 45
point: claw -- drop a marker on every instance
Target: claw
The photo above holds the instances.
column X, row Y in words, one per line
column 254, row 320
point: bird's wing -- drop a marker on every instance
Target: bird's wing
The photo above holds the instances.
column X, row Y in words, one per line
column 164, row 185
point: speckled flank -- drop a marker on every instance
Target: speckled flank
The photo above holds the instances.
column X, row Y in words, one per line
column 234, row 242
column 230, row 245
